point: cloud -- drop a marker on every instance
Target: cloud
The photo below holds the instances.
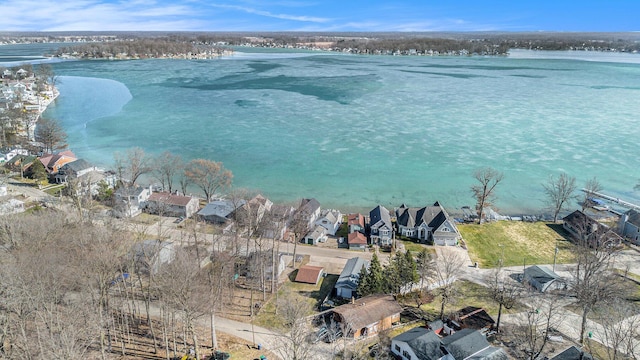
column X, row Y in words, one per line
column 249, row 10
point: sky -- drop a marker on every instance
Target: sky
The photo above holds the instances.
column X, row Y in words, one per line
column 320, row 15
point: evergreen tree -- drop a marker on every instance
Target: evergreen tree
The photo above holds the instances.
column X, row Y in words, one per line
column 411, row 272
column 363, row 288
column 37, row 171
column 375, row 279
column 424, row 266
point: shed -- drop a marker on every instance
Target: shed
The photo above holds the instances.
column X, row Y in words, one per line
column 309, row 274
column 542, row 278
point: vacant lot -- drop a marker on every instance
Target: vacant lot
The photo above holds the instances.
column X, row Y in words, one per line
column 516, row 242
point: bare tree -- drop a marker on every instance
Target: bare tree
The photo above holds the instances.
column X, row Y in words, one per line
column 559, row 192
column 447, row 267
column 166, row 167
column 132, row 164
column 591, row 187
column 50, row 133
column 293, row 344
column 533, row 327
column 487, row 178
column 208, row 175
column 503, row 291
column 619, row 328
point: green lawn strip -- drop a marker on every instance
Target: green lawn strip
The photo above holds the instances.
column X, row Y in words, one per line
column 414, row 247
column 468, row 294
column 519, row 242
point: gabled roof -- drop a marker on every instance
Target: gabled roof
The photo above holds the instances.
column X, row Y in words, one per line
column 351, row 273
column 170, row 199
column 572, row 353
column 309, row 206
column 367, row 310
column 433, row 216
column 474, row 318
column 77, row 165
column 356, row 238
column 380, row 213
column 540, row 274
column 126, row 191
column 634, row 217
column 221, row 208
column 309, row 274
column 464, row 343
column 355, row 219
column 424, row 343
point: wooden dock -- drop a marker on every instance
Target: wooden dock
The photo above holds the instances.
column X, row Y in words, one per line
column 612, row 199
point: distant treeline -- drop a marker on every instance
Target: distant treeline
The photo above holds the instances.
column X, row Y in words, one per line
column 141, row 48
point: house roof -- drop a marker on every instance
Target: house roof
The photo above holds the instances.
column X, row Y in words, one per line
column 474, row 318
column 77, row 165
column 170, row 199
column 130, row 191
column 330, row 215
column 309, row 274
column 368, row 310
column 355, row 219
column 351, row 273
column 591, row 229
column 317, row 232
column 50, row 160
column 634, row 217
column 465, row 343
column 221, row 208
column 380, row 213
column 572, row 353
column 424, row 343
column 433, row 216
column 309, row 206
column 357, row 238
column 541, row 274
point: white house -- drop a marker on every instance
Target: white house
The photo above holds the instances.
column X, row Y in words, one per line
column 330, row 220
column 380, row 227
column 149, row 255
column 166, row 204
column 7, row 154
column 317, row 235
column 131, row 200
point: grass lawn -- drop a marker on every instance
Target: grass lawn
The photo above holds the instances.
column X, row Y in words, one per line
column 469, row 294
column 295, row 292
column 520, row 242
column 414, row 247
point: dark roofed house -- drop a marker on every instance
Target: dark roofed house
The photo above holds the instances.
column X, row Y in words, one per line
column 368, row 315
column 167, row 204
column 472, row 317
column 418, row 343
column 309, row 274
column 349, row 277
column 542, row 278
column 572, row 353
column 380, row 227
column 219, row 211
column 587, row 230
column 428, row 224
column 629, row 226
column 471, row 344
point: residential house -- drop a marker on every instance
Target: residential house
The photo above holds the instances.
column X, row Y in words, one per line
column 357, row 241
column 587, row 230
column 74, row 170
column 573, row 353
column 629, row 226
column 380, row 227
column 220, row 211
column 543, row 279
column 129, row 201
column 166, row 204
column 20, row 163
column 368, row 315
column 470, row 344
column 251, row 212
column 429, row 224
column 355, row 222
column 309, row 211
column 278, row 224
column 309, row 274
column 53, row 162
column 149, row 255
column 330, row 220
column 8, row 153
column 256, row 259
column 348, row 280
column 417, row 344
column 317, row 235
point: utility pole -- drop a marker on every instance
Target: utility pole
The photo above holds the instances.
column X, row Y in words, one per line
column 555, row 255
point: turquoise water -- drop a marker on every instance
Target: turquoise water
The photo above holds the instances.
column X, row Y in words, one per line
column 355, row 131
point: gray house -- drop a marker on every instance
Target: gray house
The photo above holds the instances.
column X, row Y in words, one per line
column 430, row 224
column 418, row 343
column 470, row 344
column 542, row 278
column 380, row 227
column 149, row 255
column 349, row 277
column 219, row 211
column 629, row 226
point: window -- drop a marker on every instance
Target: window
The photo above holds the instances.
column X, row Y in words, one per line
column 406, row 355
column 397, row 347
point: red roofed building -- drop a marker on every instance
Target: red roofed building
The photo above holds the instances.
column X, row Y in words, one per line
column 53, row 162
column 166, row 204
column 309, row 274
column 355, row 222
column 357, row 241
